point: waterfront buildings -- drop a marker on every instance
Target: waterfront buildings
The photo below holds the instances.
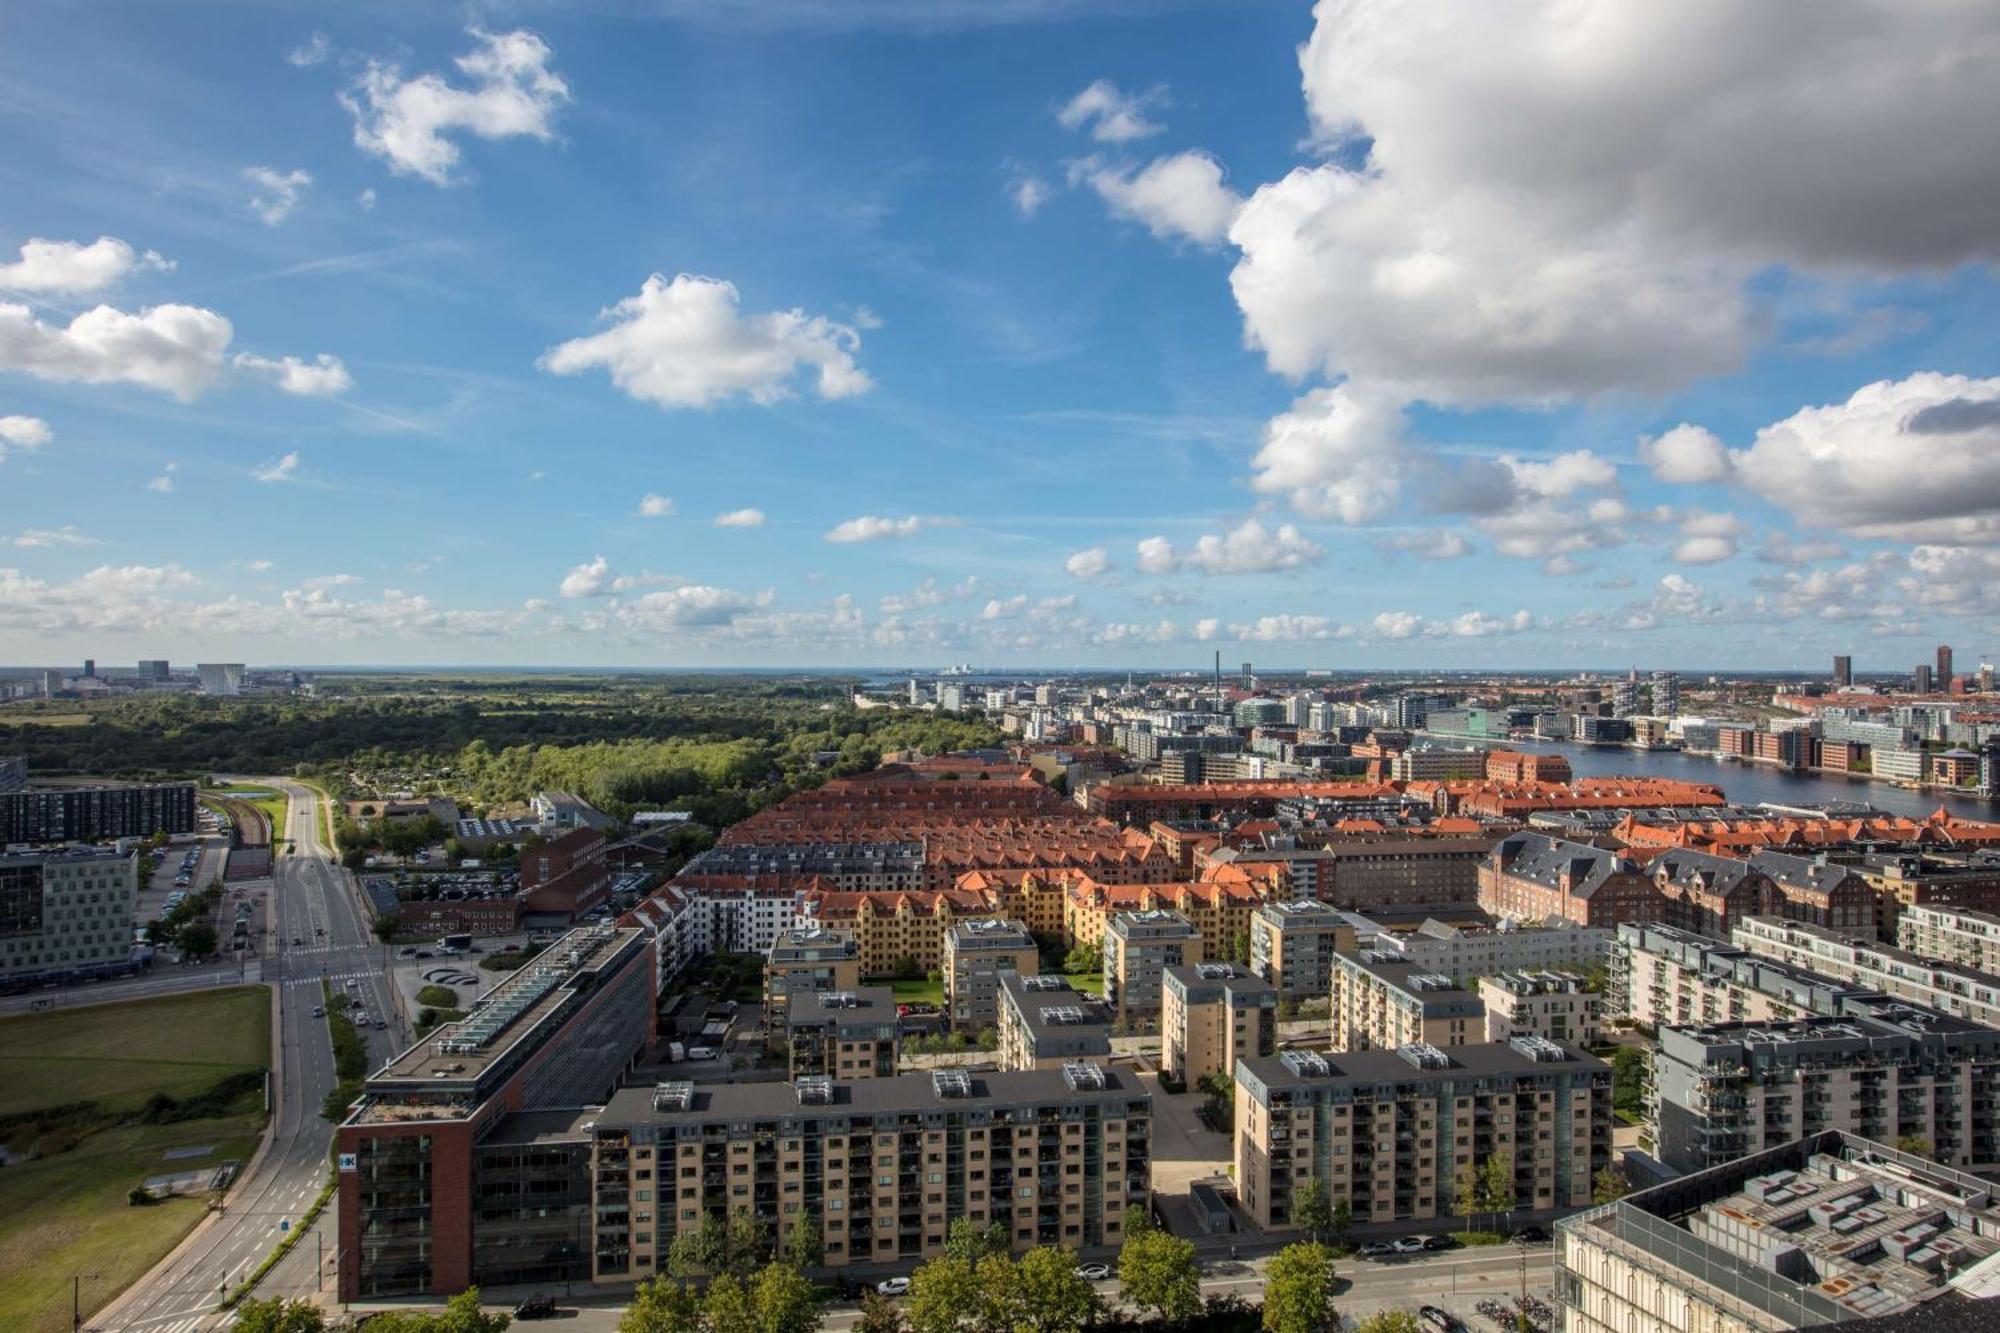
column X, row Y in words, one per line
column 66, row 915
column 1211, row 1016
column 1540, row 1004
column 1046, row 1023
column 1380, row 1002
column 976, row 955
column 1138, row 949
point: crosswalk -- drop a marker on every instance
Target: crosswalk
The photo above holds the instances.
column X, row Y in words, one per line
column 181, row 1323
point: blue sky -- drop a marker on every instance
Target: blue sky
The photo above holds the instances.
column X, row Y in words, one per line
column 1034, row 332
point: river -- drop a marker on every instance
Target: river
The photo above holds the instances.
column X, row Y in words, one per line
column 1753, row 784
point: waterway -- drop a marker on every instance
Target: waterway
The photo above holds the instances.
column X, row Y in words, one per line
column 1754, row 784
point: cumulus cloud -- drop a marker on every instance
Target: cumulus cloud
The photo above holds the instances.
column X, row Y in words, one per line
column 23, row 432
column 1916, row 459
column 66, row 535
column 1334, row 454
column 592, row 579
column 174, row 349
column 323, row 377
column 656, row 506
column 314, row 50
column 1093, row 563
column 1543, row 207
column 1396, row 625
column 1248, row 548
column 511, row 92
column 1289, row 628
column 1563, row 476
column 71, row 267
column 278, row 469
column 163, row 483
column 1686, row 454
column 1110, row 114
column 871, row 528
column 740, row 518
column 1181, row 197
column 1430, row 544
column 685, row 344
column 278, row 192
column 692, row 605
column 1029, row 193
column 1708, row 538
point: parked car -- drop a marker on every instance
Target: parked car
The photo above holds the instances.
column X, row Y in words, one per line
column 1375, row 1249
column 1411, row 1245
column 1439, row 1243
column 895, row 1286
column 319, row 1011
column 1435, row 1318
column 1093, row 1272
column 701, row 1052
column 536, row 1307
column 1533, row 1236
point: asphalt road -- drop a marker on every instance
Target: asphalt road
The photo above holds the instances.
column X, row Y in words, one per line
column 316, row 904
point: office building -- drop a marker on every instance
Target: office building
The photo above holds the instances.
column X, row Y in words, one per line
column 1531, row 877
column 1944, row 671
column 1952, row 935
column 221, row 679
column 1292, row 946
column 842, row 1034
column 1829, row 1231
column 1540, row 1004
column 884, row 1165
column 88, row 814
column 429, row 1201
column 1391, row 1132
column 977, row 954
column 1211, row 1016
column 803, row 959
column 1381, row 1002
column 1138, row 949
column 66, row 915
column 13, row 773
column 1863, row 962
column 1843, row 671
column 154, row 670
column 1045, row 1023
column 1920, row 679
column 1882, row 1069
column 565, row 878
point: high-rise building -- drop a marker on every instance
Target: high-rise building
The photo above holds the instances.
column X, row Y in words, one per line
column 1211, row 1016
column 221, row 679
column 1292, row 946
column 1843, row 671
column 1138, row 949
column 1986, row 678
column 1666, row 693
column 83, row 814
column 54, row 682
column 67, row 915
column 977, row 953
column 1381, row 1002
column 1624, row 698
column 90, row 667
column 1046, row 1023
column 1944, row 666
column 807, row 958
column 1920, row 679
column 842, row 1034
column 154, row 668
column 13, row 773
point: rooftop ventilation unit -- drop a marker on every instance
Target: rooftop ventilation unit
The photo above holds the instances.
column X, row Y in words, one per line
column 951, row 1083
column 839, row 999
column 675, row 1096
column 1539, row 1049
column 1306, row 1064
column 1064, row 1015
column 1045, row 981
column 1431, row 981
column 1215, row 971
column 1424, row 1055
column 1082, row 1076
column 814, row 1090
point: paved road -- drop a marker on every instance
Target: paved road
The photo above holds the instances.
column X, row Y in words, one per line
column 315, row 904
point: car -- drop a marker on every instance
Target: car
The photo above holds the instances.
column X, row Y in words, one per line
column 1375, row 1249
column 406, row 953
column 296, row 941
column 701, row 1052
column 424, row 953
column 536, row 1307
column 895, row 1286
column 1440, row 1243
column 1093, row 1272
column 1435, row 1318
column 1410, row 1245
column 381, row 1024
column 1533, row 1236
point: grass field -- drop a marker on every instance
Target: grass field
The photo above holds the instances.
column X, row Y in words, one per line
column 915, row 990
column 66, row 1212
column 44, row 719
column 273, row 804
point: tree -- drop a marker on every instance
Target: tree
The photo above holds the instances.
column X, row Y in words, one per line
column 1631, row 1067
column 747, row 1245
column 461, row 1314
column 662, row 1305
column 1496, row 1184
column 1917, row 1146
column 1138, row 1218
column 969, row 1241
column 278, row 1315
column 1610, row 1184
column 1157, row 1272
column 701, row 1252
column 879, row 1314
column 945, row 1296
column 805, row 1245
column 782, row 1301
column 1343, row 1221
column 726, row 1308
column 1298, row 1291
column 1310, row 1207
column 1239, row 948
column 1048, row 1295
column 1389, row 1321
column 385, row 927
column 197, row 939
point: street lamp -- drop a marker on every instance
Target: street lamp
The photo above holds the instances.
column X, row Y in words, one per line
column 76, row 1299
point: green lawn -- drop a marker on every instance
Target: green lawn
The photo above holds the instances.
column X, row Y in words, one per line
column 66, row 1212
column 274, row 804
column 1087, row 981
column 914, row 990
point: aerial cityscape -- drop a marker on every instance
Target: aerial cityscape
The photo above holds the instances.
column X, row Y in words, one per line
column 1000, row 666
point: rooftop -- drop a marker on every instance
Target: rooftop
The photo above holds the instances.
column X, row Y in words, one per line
column 1016, row 1092
column 1420, row 1063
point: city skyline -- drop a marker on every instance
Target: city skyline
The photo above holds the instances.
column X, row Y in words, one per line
column 837, row 337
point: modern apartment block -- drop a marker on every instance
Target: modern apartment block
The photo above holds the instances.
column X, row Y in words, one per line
column 1832, row 1230
column 976, row 955
column 1531, row 877
column 843, row 1034
column 884, row 1165
column 1389, row 1131
column 66, row 915
column 1292, row 945
column 1465, row 951
column 1663, row 976
column 1211, row 1016
column 807, row 958
column 13, row 773
column 1881, row 1069
column 1139, row 947
column 86, row 814
column 1044, row 1024
column 1952, row 935
column 431, row 1199
column 1540, row 1004
column 1381, row 1002
column 857, row 866
column 1860, row 961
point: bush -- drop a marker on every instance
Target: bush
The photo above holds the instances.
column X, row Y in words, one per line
column 1480, row 1237
column 438, row 997
column 139, row 1197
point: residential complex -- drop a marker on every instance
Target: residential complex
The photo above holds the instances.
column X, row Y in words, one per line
column 1540, row 1004
column 1138, row 949
column 1952, row 935
column 1389, row 1132
column 1381, row 1002
column 1045, row 1024
column 1467, row 951
column 842, row 1034
column 807, row 958
column 1292, row 945
column 1862, row 962
column 1533, row 878
column 90, row 813
column 977, row 954
column 1211, row 1016
column 1662, row 976
column 66, row 915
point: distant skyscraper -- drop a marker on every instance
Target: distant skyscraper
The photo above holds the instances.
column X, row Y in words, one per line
column 1843, row 671
column 1986, row 678
column 220, row 678
column 154, row 669
column 54, row 683
column 1944, row 666
column 1921, row 678
column 1249, row 676
column 1666, row 693
column 90, row 667
column 1625, row 697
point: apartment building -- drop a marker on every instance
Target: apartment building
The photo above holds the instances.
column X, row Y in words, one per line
column 1211, row 1016
column 1045, row 1023
column 896, row 931
column 842, row 1034
column 1292, row 946
column 1860, row 961
column 1540, row 1004
column 844, row 865
column 1389, row 1132
column 1708, row 893
column 431, row 1202
column 1872, row 1239
column 1138, row 949
column 1467, row 951
column 1531, row 878
column 1820, row 891
column 1952, row 935
column 733, row 914
column 883, row 1165
column 565, row 878
column 1663, row 976
column 1377, row 868
column 86, row 814
column 805, row 959
column 66, row 915
column 1881, row 1068
column 976, row 955
column 1381, row 1002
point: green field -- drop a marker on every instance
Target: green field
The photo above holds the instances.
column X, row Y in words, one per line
column 275, row 805
column 65, row 1211
column 914, row 990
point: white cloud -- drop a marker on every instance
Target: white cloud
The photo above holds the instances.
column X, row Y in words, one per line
column 1112, row 115
column 1176, row 197
column 278, row 469
column 366, row 199
column 1708, row 538
column 1248, row 548
column 23, row 432
column 685, row 344
column 1548, row 208
column 407, row 122
column 278, row 192
column 1002, row 609
column 1290, row 628
column 1029, row 193
column 656, row 506
column 164, row 482
column 66, row 535
column 1686, row 454
column 1093, row 563
column 1396, row 625
column 927, row 593
column 174, row 349
column 740, row 518
column 259, row 566
column 324, row 377
column 870, row 527
column 588, row 580
column 312, row 51
column 1335, row 454
column 1431, row 544
column 1479, row 625
column 692, row 605
column 1916, row 459
column 71, row 267
column 1782, row 549
column 1562, row 476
